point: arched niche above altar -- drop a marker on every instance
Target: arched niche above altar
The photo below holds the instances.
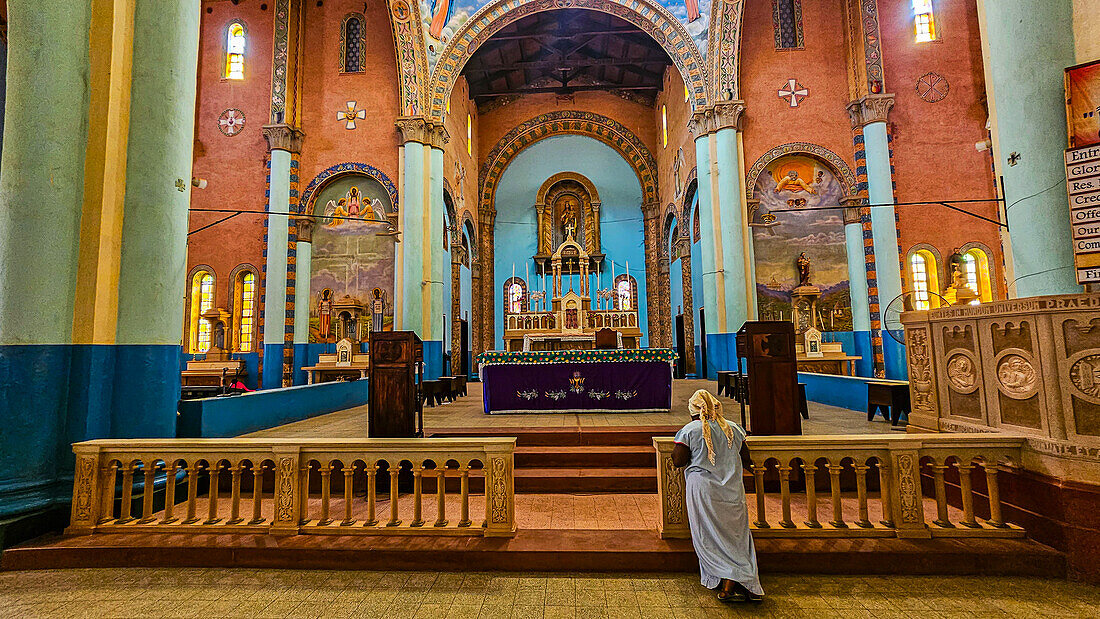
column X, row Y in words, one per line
column 568, row 208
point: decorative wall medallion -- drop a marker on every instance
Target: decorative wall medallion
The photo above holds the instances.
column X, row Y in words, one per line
column 231, row 122
column 350, row 115
column 401, row 11
column 1085, row 375
column 1016, row 375
column 961, row 374
column 932, row 87
column 793, row 92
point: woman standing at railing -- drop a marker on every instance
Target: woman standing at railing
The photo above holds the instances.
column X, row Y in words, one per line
column 715, row 495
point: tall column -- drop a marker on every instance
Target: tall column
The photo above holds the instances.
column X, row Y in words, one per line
column 284, row 143
column 303, row 267
column 41, row 193
column 857, row 286
column 1024, row 79
column 486, row 221
column 726, row 293
column 870, row 114
column 420, row 278
column 457, row 258
column 688, row 302
column 654, row 301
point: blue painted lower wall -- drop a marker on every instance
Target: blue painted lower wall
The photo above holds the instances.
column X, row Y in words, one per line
column 272, row 377
column 54, row 395
column 856, row 344
column 234, row 415
column 843, row 391
column 893, row 354
column 721, row 353
column 433, row 359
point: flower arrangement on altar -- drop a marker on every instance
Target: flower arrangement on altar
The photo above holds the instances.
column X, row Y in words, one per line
column 576, row 356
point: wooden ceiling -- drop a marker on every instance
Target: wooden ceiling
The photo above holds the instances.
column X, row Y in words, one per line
column 567, row 51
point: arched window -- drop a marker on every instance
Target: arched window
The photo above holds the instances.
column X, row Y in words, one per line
column 976, row 270
column 924, row 275
column 469, row 135
column 234, row 51
column 244, row 309
column 626, row 293
column 664, row 125
column 351, row 44
column 924, row 21
column 787, row 22
column 515, row 295
column 202, row 299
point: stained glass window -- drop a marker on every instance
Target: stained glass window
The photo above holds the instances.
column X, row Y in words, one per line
column 918, row 271
column 247, row 320
column 353, row 45
column 234, row 52
column 787, row 21
column 924, row 21
column 202, row 299
column 976, row 270
column 515, row 298
column 624, row 293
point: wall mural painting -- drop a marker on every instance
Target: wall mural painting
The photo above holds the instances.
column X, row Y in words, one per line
column 794, row 184
column 441, row 19
column 350, row 258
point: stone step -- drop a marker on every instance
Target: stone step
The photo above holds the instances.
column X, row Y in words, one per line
column 578, row 456
column 571, row 436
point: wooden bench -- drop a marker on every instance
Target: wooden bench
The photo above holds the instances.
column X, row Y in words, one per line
column 432, row 392
column 890, row 396
column 725, row 383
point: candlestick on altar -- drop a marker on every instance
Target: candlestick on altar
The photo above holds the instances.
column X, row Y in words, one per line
column 527, row 281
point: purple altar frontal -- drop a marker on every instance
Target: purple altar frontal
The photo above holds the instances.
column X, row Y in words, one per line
column 578, row 387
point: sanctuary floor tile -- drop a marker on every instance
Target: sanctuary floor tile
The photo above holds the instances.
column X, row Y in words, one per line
column 212, row 592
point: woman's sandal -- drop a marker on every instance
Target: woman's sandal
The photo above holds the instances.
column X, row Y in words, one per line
column 732, row 597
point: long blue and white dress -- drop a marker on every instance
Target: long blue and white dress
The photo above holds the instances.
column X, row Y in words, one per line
column 717, row 513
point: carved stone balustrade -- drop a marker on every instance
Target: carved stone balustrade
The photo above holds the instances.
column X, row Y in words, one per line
column 1026, row 366
column 289, row 486
column 830, row 486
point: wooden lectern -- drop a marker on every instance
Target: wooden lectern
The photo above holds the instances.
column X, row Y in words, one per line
column 394, row 405
column 768, row 346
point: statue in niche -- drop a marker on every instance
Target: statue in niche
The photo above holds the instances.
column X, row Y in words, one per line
column 569, row 216
column 793, row 182
column 324, row 311
column 803, row 264
column 219, row 335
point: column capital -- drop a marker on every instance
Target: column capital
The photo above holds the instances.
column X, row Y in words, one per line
column 282, row 136
column 423, row 130
column 486, row 217
column 305, row 225
column 852, row 215
column 651, row 210
column 723, row 115
column 870, row 109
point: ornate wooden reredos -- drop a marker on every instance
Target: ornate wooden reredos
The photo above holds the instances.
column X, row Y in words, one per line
column 568, row 208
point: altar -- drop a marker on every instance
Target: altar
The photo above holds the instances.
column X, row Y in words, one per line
column 577, row 381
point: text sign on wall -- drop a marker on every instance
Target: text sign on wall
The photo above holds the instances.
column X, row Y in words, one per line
column 1083, row 187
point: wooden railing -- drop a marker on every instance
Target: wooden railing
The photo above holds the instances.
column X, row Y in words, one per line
column 858, row 475
column 290, row 486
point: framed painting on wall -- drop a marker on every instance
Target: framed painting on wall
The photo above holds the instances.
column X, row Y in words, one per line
column 1083, row 104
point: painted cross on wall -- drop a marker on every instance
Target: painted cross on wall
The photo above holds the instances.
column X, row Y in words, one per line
column 793, row 92
column 350, row 115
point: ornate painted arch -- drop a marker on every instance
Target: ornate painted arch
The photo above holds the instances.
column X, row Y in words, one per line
column 412, row 61
column 833, row 160
column 305, row 203
column 467, row 225
column 540, row 197
column 648, row 15
column 567, row 122
column 724, row 49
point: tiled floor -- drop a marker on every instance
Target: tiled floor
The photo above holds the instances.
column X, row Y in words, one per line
column 169, row 593
column 466, row 412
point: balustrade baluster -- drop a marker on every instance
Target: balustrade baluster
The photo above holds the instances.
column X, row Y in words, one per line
column 372, row 472
column 257, row 492
column 127, row 494
column 147, row 496
column 758, row 489
column 967, row 495
column 941, row 497
column 834, row 489
column 440, row 498
column 170, row 471
column 108, row 473
column 303, row 494
column 465, row 489
column 864, row 521
column 995, row 518
column 393, row 496
column 417, row 496
column 349, row 480
column 785, row 494
column 326, row 491
column 885, row 489
column 192, row 492
column 811, row 496
column 235, row 494
column 215, row 475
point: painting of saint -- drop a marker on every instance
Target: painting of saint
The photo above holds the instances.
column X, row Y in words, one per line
column 442, row 10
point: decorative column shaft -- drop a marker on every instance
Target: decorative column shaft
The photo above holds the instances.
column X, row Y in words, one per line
column 1027, row 103
column 486, row 221
column 302, row 268
column 857, row 281
column 457, row 258
column 870, row 114
column 688, row 305
column 654, row 299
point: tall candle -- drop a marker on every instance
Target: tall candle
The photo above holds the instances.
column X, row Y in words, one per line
column 527, row 280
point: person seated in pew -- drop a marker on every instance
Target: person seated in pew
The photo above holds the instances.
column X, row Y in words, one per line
column 715, row 497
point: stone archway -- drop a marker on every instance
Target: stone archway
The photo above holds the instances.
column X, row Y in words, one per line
column 826, row 156
column 412, row 62
column 648, row 15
